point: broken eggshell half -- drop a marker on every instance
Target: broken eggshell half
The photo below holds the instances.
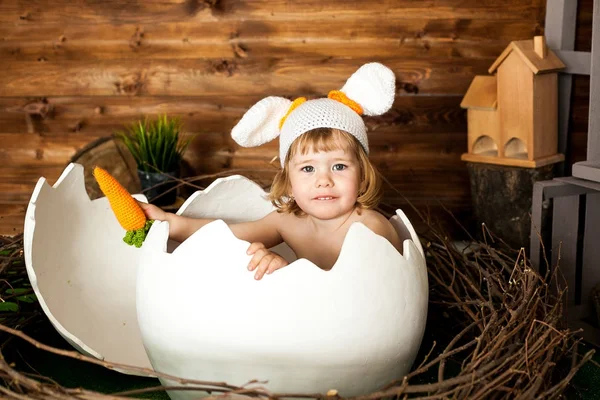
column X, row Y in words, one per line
column 203, row 316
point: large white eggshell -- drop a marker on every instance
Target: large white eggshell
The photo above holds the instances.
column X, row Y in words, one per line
column 304, row 330
column 81, row 271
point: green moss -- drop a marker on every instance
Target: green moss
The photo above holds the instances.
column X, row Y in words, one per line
column 137, row 237
column 586, row 383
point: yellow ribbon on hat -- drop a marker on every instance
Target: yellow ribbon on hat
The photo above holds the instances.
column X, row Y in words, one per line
column 293, row 106
column 342, row 98
column 334, row 95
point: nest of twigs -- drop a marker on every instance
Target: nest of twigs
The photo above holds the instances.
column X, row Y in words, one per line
column 495, row 330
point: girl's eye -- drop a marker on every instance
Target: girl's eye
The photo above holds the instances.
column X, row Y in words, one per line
column 308, row 168
column 339, row 167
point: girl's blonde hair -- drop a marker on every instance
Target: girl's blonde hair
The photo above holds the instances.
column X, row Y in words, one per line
column 327, row 139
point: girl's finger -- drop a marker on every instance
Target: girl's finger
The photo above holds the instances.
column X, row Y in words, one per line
column 256, row 258
column 262, row 267
column 254, row 247
column 275, row 264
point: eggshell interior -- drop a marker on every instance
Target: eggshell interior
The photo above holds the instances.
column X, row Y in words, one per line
column 82, row 272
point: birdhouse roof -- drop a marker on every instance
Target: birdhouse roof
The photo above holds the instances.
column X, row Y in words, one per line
column 482, row 94
column 524, row 48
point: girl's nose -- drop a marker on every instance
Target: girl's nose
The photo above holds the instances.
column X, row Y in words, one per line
column 324, row 179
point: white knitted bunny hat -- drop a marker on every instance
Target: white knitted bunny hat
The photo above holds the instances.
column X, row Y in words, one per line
column 369, row 91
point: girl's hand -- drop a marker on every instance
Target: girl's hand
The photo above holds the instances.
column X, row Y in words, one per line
column 264, row 260
column 153, row 212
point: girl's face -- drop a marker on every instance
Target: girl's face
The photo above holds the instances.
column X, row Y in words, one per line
column 325, row 184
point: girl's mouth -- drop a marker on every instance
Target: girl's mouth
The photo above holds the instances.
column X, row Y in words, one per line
column 324, row 198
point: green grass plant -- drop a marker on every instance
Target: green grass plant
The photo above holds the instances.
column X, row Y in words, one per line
column 155, row 144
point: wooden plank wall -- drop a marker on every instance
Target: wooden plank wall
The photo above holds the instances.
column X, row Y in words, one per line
column 72, row 71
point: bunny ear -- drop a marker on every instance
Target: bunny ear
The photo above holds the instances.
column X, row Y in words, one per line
column 373, row 86
column 260, row 124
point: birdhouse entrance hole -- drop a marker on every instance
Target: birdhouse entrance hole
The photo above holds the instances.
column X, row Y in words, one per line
column 515, row 148
column 485, row 146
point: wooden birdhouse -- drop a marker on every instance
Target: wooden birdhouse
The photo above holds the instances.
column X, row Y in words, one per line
column 512, row 116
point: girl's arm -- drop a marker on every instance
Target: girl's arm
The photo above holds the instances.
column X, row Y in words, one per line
column 262, row 234
column 264, row 230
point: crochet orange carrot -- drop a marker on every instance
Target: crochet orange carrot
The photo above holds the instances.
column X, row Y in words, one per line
column 128, row 212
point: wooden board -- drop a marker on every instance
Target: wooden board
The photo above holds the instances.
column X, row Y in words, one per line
column 201, row 77
column 203, row 114
column 482, row 93
column 366, row 36
column 155, row 11
column 12, row 219
column 484, row 132
column 545, row 117
column 33, row 149
column 513, row 162
column 525, row 50
column 515, row 94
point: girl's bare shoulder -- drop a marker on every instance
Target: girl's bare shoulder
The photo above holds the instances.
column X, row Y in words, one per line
column 374, row 218
column 380, row 225
column 285, row 220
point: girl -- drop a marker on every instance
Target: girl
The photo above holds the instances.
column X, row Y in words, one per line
column 326, row 182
